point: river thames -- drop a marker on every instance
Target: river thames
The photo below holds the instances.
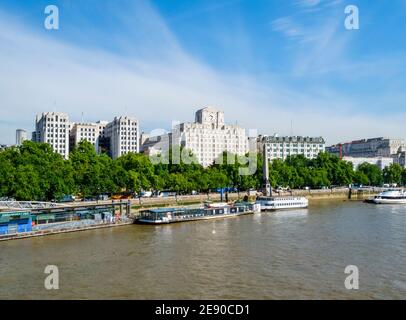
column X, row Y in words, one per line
column 298, row 254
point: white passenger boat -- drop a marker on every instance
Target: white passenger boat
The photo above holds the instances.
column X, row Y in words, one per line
column 279, row 203
column 392, row 196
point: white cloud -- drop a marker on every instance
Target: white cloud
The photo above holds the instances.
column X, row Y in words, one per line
column 39, row 73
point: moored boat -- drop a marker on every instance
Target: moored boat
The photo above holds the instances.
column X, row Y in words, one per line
column 209, row 211
column 282, row 203
column 391, row 196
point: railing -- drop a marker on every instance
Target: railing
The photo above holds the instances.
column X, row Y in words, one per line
column 66, row 225
column 24, row 205
column 191, row 213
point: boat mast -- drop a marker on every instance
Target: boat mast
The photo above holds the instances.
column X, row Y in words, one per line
column 267, row 189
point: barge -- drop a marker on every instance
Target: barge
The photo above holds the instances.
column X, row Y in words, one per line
column 207, row 212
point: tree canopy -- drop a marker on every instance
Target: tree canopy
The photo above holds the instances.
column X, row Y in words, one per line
column 33, row 171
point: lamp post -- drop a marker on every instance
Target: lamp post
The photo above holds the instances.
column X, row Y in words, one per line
column 265, row 170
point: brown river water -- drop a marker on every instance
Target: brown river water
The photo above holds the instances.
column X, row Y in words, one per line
column 298, row 254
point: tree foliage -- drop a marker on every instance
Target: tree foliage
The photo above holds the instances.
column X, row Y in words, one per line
column 34, row 172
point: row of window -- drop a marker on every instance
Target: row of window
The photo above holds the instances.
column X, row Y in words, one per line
column 51, row 141
column 51, row 125
column 90, row 134
column 293, row 150
column 56, row 135
column 56, row 119
column 289, row 204
column 56, row 130
column 88, row 129
column 128, row 149
column 287, row 145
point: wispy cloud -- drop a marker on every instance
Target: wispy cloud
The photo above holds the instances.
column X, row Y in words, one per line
column 154, row 78
column 307, row 3
column 314, row 33
column 288, row 27
column 315, row 3
column 206, row 9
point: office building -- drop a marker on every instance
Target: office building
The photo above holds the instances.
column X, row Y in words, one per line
column 53, row 128
column 281, row 147
column 84, row 132
column 123, row 136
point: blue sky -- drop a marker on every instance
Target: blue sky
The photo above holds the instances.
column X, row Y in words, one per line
column 264, row 62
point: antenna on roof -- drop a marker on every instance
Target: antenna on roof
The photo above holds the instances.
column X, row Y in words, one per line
column 291, row 127
column 82, row 116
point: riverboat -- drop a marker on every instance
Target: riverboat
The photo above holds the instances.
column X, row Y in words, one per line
column 185, row 214
column 391, row 196
column 282, row 203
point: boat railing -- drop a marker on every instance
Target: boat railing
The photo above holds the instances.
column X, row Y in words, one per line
column 185, row 214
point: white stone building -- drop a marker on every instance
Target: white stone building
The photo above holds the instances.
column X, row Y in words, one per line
column 102, row 128
column 21, row 136
column 207, row 138
column 84, row 132
column 282, row 147
column 53, row 128
column 123, row 135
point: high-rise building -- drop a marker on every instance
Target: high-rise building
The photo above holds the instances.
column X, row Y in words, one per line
column 207, row 138
column 104, row 141
column 95, row 133
column 282, row 147
column 53, row 128
column 21, row 136
column 123, row 136
column 84, row 132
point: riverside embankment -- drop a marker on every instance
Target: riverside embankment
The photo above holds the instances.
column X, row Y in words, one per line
column 136, row 205
column 312, row 195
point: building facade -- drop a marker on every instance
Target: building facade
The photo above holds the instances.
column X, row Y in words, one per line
column 380, row 162
column 375, row 147
column 400, row 157
column 53, row 128
column 84, row 132
column 21, row 136
column 104, row 141
column 123, row 136
column 282, row 147
column 208, row 137
column 155, row 145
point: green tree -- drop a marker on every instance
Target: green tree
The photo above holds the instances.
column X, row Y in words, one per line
column 371, row 172
column 88, row 169
column 141, row 175
column 393, row 174
column 51, row 175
